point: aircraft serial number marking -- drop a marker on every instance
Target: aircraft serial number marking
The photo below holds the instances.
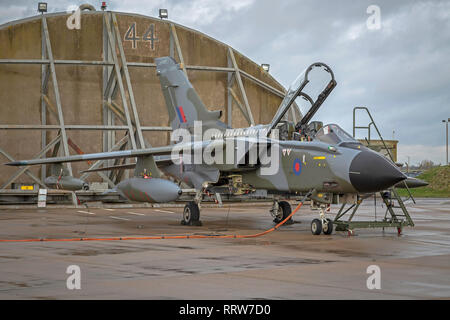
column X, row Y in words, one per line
column 149, row 35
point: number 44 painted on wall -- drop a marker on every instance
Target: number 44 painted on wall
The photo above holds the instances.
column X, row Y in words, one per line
column 149, row 35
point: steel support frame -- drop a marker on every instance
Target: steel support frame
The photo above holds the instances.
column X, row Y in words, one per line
column 150, row 65
column 108, row 81
column 44, row 85
column 27, row 172
column 174, row 41
column 127, row 80
column 230, row 80
column 25, row 169
column 246, row 75
column 117, row 70
column 237, row 74
column 49, row 51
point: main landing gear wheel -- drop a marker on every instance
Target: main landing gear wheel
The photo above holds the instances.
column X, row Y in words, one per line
column 316, row 226
column 191, row 215
column 284, row 210
column 327, row 228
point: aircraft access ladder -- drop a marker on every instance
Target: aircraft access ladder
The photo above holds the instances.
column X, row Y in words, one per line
column 391, row 198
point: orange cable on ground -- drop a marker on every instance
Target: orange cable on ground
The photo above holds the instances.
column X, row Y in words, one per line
column 235, row 236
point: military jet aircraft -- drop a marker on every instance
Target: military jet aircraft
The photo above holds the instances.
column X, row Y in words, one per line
column 290, row 158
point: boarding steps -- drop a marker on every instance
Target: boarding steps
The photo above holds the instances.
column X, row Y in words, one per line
column 391, row 198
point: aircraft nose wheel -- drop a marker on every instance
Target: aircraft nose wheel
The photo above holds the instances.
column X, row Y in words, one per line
column 317, row 227
column 191, row 215
column 327, row 228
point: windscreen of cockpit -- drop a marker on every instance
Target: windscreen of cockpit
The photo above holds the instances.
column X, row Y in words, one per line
column 333, row 134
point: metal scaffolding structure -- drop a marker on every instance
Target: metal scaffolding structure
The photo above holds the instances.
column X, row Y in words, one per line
column 116, row 80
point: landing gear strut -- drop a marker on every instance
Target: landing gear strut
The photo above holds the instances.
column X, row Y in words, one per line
column 191, row 214
column 323, row 224
column 280, row 211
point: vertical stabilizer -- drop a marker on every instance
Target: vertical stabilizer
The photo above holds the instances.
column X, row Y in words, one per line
column 182, row 101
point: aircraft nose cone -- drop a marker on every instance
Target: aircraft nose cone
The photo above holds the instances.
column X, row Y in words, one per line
column 371, row 172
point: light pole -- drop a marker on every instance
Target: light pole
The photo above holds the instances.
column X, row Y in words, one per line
column 446, row 137
column 407, row 166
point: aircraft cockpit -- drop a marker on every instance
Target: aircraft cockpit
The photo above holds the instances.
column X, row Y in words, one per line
column 288, row 130
column 333, row 134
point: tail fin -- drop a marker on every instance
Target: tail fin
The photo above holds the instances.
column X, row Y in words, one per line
column 182, row 101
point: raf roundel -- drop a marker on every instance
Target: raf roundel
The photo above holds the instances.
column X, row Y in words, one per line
column 297, row 167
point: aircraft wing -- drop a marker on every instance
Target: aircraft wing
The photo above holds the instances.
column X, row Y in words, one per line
column 117, row 167
column 159, row 163
column 165, row 150
column 172, row 150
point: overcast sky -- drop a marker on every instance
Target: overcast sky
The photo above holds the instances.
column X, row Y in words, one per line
column 401, row 71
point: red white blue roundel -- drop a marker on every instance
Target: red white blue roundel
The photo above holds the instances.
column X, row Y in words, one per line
column 297, row 167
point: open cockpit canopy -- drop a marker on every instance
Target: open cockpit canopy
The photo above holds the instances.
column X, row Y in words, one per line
column 313, row 98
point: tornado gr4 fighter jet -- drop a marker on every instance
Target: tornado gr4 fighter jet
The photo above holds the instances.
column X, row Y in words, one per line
column 281, row 157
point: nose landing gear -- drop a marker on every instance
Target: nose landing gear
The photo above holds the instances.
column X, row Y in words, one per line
column 322, row 224
column 316, row 227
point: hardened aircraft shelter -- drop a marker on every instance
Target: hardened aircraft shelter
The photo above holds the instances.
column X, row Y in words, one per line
column 94, row 88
